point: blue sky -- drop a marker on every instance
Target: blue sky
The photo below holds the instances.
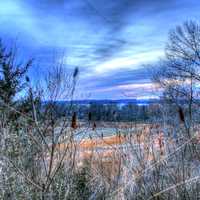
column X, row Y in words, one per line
column 111, row 41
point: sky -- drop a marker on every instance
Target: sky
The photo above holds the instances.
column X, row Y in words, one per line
column 113, row 42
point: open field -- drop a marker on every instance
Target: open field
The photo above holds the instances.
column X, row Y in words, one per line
column 107, row 142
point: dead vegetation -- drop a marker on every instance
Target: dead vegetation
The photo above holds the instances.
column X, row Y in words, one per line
column 41, row 157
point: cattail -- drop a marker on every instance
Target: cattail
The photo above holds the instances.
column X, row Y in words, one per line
column 76, row 71
column 181, row 114
column 94, row 126
column 160, row 142
column 89, row 116
column 74, row 123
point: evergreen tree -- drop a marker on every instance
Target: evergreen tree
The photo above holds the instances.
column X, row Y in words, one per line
column 12, row 73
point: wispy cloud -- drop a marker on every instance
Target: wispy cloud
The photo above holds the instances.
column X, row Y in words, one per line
column 110, row 41
column 129, row 62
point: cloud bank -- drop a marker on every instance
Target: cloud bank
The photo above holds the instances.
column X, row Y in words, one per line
column 110, row 41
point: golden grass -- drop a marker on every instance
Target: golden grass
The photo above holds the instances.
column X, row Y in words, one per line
column 96, row 142
column 102, row 142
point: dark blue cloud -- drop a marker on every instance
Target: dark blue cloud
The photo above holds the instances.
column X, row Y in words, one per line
column 109, row 40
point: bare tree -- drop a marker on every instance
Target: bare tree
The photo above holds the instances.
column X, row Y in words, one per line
column 179, row 73
column 40, row 153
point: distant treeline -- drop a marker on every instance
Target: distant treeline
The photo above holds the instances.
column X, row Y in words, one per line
column 110, row 112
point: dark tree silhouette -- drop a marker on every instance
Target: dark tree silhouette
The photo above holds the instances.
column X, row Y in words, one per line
column 74, row 121
column 12, row 73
